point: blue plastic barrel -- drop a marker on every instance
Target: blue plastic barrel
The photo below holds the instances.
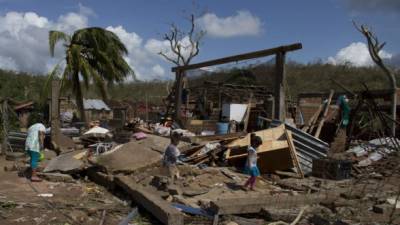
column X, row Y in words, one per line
column 222, row 128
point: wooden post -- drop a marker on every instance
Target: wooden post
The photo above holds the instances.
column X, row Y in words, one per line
column 4, row 119
column 247, row 115
column 279, row 91
column 147, row 107
column 220, row 99
column 178, row 95
column 55, row 111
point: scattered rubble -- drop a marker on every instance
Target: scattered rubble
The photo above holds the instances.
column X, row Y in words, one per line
column 302, row 180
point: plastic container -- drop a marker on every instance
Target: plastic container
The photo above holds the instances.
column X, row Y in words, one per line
column 222, row 128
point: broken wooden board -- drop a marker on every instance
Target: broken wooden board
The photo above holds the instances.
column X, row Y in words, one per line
column 274, row 154
column 155, row 205
column 293, row 154
column 268, row 136
column 219, row 137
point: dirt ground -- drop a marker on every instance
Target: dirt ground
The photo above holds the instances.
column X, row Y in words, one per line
column 81, row 202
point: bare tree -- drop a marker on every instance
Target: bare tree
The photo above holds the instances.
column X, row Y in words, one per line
column 184, row 46
column 183, row 53
column 374, row 48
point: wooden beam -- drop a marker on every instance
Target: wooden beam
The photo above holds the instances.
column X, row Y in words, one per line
column 235, row 58
column 293, row 153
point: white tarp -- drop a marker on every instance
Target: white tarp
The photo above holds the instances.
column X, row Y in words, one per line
column 234, row 111
column 97, row 130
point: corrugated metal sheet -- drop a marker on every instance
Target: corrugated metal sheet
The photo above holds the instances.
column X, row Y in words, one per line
column 96, row 104
column 307, row 146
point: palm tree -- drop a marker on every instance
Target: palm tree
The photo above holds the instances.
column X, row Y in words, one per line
column 92, row 56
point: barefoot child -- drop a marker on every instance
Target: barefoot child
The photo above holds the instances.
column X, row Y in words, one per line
column 251, row 162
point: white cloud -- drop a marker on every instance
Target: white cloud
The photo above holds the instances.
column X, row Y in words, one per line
column 142, row 58
column 7, row 63
column 24, row 39
column 356, row 54
column 158, row 70
column 156, row 46
column 71, row 21
column 242, row 24
column 24, row 43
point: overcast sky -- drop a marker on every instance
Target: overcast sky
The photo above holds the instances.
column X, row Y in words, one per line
column 324, row 28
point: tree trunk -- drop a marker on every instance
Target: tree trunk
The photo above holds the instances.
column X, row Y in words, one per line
column 79, row 98
column 393, row 88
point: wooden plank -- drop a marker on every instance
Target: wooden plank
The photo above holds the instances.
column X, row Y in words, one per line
column 202, row 161
column 271, row 134
column 155, row 205
column 274, row 145
column 245, row 56
column 293, row 153
column 313, row 118
column 218, row 137
column 228, row 153
column 321, row 123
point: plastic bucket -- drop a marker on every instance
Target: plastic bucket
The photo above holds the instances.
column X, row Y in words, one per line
column 222, row 128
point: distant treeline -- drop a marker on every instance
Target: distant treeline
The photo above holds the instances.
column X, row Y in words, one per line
column 301, row 78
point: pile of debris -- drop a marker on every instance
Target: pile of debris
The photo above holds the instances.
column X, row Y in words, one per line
column 293, row 187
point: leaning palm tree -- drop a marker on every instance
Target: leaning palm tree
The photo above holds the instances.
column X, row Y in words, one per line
column 92, row 56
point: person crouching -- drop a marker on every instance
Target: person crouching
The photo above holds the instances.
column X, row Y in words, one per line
column 171, row 155
column 251, row 162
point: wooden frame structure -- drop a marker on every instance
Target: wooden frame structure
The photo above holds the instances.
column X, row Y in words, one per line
column 279, row 90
